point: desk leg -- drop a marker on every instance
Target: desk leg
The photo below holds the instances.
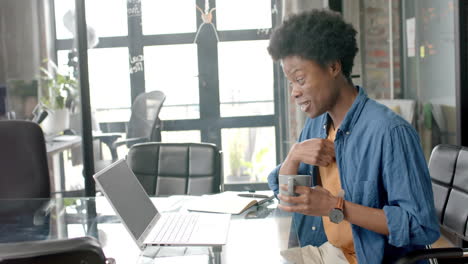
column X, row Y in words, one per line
column 216, row 254
column 58, row 226
column 56, row 172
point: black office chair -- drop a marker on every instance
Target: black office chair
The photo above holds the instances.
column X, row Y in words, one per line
column 23, row 161
column 144, row 124
column 71, row 251
column 177, row 168
column 24, row 175
column 448, row 167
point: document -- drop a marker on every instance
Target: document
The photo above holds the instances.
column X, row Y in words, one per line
column 228, row 202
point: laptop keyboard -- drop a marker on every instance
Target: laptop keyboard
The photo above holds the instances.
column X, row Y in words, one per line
column 176, row 228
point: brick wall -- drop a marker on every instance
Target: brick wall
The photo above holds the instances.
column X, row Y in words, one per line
column 375, row 48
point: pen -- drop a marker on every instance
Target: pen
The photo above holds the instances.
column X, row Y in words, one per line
column 252, row 195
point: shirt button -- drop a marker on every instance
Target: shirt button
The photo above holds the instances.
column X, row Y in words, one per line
column 313, row 228
column 347, row 132
column 324, row 126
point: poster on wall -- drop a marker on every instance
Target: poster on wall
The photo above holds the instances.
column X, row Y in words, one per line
column 411, row 36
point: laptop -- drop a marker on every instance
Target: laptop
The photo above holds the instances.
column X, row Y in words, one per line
column 146, row 225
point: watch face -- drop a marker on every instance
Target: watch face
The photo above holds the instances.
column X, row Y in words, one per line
column 336, row 216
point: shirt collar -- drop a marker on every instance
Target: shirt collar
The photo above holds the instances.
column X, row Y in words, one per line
column 351, row 116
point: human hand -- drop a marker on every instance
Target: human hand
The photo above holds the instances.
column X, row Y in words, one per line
column 315, row 201
column 315, row 151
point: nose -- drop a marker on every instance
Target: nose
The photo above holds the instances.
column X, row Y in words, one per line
column 295, row 91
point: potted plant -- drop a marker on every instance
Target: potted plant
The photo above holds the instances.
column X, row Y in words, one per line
column 57, row 97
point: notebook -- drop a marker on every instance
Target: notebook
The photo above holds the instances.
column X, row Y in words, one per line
column 146, row 225
column 228, row 202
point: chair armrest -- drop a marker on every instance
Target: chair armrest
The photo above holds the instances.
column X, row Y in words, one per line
column 433, row 253
column 128, row 142
column 109, row 139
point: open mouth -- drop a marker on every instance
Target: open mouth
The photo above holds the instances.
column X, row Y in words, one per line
column 304, row 106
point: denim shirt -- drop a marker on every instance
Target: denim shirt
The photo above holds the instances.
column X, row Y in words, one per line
column 381, row 165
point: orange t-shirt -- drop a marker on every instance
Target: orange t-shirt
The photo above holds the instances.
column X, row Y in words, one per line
column 339, row 235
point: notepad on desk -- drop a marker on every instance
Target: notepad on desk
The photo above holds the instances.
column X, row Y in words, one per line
column 227, row 202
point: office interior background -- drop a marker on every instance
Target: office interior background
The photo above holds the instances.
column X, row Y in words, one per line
column 209, row 58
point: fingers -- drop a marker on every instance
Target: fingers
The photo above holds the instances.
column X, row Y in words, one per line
column 317, row 151
column 293, row 200
column 291, row 209
column 324, row 160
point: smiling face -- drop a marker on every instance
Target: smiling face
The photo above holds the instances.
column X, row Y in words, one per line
column 314, row 87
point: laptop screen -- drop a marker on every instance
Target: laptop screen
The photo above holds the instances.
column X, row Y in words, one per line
column 127, row 196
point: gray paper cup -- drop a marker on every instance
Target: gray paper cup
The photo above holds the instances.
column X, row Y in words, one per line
column 292, row 181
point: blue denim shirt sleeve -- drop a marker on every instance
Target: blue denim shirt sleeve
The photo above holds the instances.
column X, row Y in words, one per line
column 273, row 180
column 410, row 212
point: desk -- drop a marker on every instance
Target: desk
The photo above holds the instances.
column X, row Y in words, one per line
column 55, row 147
column 257, row 240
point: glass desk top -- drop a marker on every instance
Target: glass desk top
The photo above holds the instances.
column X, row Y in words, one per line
column 255, row 236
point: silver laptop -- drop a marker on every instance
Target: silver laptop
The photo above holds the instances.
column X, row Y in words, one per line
column 149, row 227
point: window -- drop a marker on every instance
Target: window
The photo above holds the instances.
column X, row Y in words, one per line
column 249, row 154
column 243, row 14
column 245, row 78
column 109, row 83
column 176, row 76
column 168, row 17
column 218, row 78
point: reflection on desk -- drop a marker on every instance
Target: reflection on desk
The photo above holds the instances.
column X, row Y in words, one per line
column 257, row 240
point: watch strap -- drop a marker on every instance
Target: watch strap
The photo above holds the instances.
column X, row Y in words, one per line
column 339, row 203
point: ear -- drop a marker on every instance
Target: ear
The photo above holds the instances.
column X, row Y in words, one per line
column 335, row 68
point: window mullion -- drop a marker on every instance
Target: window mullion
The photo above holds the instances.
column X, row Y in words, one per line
column 135, row 47
column 207, row 48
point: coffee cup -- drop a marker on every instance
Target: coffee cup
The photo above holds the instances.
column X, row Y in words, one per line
column 292, row 181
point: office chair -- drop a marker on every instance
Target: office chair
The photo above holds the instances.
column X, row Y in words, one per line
column 177, row 168
column 448, row 167
column 24, row 175
column 23, row 161
column 144, row 124
column 71, row 251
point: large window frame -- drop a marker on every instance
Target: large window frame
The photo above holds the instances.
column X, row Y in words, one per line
column 210, row 122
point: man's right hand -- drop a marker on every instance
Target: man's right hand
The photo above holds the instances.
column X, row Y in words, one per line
column 315, row 151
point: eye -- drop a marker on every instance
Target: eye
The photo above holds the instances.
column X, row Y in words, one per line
column 300, row 80
column 290, row 84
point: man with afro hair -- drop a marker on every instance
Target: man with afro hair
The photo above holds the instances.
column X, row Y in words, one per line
column 371, row 197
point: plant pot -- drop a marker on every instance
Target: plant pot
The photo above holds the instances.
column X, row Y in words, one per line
column 56, row 121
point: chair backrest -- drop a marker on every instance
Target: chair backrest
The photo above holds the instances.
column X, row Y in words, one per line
column 177, row 168
column 144, row 121
column 23, row 161
column 448, row 167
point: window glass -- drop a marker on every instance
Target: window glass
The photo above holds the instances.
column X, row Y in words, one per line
column 243, row 14
column 173, row 69
column 248, row 154
column 61, row 8
column 181, row 136
column 62, row 62
column 245, row 78
column 109, row 83
column 107, row 17
column 168, row 17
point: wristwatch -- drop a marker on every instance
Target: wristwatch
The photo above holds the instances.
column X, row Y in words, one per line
column 336, row 214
